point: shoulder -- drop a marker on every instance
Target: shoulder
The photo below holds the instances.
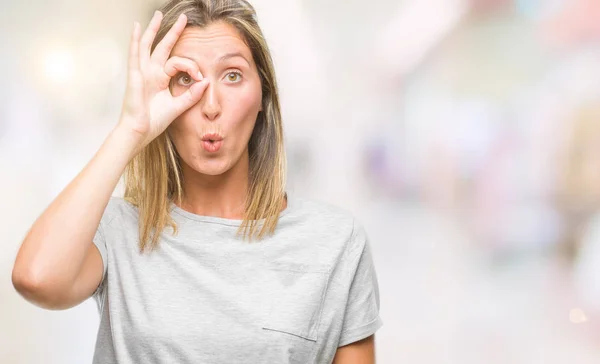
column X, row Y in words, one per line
column 331, row 222
column 117, row 209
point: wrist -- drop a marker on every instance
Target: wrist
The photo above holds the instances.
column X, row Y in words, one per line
column 128, row 141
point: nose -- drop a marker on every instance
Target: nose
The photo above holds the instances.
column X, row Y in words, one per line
column 211, row 107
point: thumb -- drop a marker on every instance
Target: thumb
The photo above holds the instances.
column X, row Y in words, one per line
column 190, row 97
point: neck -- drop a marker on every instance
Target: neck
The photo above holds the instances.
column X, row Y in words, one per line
column 222, row 195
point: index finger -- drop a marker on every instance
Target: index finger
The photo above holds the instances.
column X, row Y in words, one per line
column 163, row 48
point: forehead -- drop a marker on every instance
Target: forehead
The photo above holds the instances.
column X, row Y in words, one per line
column 209, row 44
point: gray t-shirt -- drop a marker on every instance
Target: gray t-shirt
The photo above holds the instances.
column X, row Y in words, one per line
column 207, row 296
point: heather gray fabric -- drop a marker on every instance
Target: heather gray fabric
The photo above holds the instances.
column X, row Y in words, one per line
column 207, row 296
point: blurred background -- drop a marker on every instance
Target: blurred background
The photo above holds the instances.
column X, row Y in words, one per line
column 464, row 134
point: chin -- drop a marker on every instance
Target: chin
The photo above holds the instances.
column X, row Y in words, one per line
column 212, row 167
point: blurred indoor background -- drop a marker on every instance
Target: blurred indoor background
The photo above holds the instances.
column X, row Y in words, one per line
column 464, row 134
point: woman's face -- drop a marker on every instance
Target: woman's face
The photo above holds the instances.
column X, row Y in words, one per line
column 230, row 104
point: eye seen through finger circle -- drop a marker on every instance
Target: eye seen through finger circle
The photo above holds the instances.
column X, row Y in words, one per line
column 184, row 79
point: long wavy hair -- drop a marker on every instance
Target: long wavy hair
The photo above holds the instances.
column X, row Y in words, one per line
column 153, row 179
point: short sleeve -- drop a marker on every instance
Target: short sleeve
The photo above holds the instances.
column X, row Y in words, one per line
column 361, row 317
column 100, row 243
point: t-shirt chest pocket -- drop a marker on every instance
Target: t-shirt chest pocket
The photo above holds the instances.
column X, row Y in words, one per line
column 295, row 298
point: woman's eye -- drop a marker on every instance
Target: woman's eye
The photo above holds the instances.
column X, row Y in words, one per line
column 185, row 80
column 234, row 77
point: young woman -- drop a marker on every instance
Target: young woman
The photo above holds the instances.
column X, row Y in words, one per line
column 207, row 258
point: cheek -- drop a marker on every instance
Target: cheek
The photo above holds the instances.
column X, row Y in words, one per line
column 244, row 104
column 177, row 90
column 179, row 130
column 174, row 128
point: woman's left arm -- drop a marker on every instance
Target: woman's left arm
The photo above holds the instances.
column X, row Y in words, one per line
column 359, row 352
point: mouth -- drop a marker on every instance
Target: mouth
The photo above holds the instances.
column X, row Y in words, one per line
column 211, row 142
column 211, row 137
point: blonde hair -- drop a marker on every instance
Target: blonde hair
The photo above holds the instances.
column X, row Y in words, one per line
column 153, row 179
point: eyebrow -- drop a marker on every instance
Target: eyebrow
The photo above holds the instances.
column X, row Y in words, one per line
column 232, row 55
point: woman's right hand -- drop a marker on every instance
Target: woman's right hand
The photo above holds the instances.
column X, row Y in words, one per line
column 148, row 106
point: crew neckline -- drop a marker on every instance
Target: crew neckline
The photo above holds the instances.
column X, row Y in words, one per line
column 226, row 221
